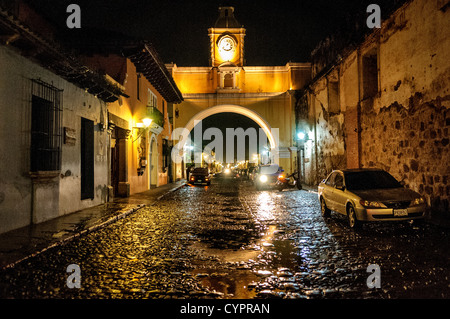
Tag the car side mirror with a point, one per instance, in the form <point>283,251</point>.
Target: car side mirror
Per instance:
<point>341,187</point>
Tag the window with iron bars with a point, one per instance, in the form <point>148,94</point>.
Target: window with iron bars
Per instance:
<point>46,130</point>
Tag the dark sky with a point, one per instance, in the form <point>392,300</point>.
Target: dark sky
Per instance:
<point>277,31</point>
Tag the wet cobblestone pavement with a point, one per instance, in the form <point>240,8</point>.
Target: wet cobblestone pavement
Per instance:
<point>230,241</point>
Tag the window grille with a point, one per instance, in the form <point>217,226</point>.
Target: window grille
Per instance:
<point>46,131</point>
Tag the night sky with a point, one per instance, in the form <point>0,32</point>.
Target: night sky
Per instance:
<point>277,31</point>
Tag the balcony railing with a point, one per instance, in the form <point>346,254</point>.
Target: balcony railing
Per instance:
<point>156,115</point>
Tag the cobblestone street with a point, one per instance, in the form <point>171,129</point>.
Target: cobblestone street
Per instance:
<point>229,240</point>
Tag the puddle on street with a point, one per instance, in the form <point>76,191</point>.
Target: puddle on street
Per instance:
<point>236,272</point>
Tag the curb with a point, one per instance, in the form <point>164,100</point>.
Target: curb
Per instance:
<point>90,229</point>
<point>76,235</point>
<point>171,191</point>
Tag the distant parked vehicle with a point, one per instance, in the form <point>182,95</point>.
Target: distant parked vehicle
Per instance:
<point>369,195</point>
<point>200,175</point>
<point>267,176</point>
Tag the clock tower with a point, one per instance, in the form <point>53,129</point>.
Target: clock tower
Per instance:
<point>264,94</point>
<point>227,40</point>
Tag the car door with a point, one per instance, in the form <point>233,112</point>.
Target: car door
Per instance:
<point>339,195</point>
<point>328,189</point>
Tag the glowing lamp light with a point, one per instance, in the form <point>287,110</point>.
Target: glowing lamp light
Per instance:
<point>301,135</point>
<point>147,122</point>
<point>263,178</point>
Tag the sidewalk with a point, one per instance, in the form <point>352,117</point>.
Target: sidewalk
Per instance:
<point>25,242</point>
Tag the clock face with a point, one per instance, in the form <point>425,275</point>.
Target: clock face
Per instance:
<point>227,47</point>
<point>226,44</point>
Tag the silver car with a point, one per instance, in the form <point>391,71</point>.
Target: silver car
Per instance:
<point>369,195</point>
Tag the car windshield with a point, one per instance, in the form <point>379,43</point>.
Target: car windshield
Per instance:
<point>269,169</point>
<point>199,170</point>
<point>370,180</point>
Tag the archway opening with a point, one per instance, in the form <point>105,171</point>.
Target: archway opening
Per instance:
<point>260,137</point>
<point>230,138</point>
<point>228,108</point>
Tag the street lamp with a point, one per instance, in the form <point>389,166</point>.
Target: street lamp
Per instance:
<point>301,136</point>
<point>141,126</point>
<point>147,122</point>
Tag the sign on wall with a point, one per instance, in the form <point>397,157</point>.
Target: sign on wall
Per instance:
<point>69,136</point>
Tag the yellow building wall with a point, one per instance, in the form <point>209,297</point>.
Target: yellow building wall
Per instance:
<point>269,80</point>
<point>196,80</point>
<point>133,109</point>
<point>249,79</point>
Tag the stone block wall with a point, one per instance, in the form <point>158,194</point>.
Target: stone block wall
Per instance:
<point>412,143</point>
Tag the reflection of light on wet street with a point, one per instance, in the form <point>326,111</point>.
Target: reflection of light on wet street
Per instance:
<point>304,253</point>
<point>231,241</point>
<point>265,207</point>
<point>267,238</point>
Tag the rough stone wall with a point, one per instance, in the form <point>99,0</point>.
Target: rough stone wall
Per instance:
<point>404,128</point>
<point>325,148</point>
<point>413,145</point>
<point>330,143</point>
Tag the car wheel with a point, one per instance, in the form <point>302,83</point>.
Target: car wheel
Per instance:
<point>353,221</point>
<point>323,208</point>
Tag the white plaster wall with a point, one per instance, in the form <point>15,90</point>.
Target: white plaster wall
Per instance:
<point>15,122</point>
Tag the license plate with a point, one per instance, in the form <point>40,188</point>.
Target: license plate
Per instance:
<point>199,180</point>
<point>400,212</point>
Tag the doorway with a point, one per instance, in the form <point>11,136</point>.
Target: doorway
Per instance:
<point>118,161</point>
<point>87,159</point>
<point>153,156</point>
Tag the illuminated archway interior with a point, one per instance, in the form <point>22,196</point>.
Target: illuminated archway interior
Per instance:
<point>228,108</point>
